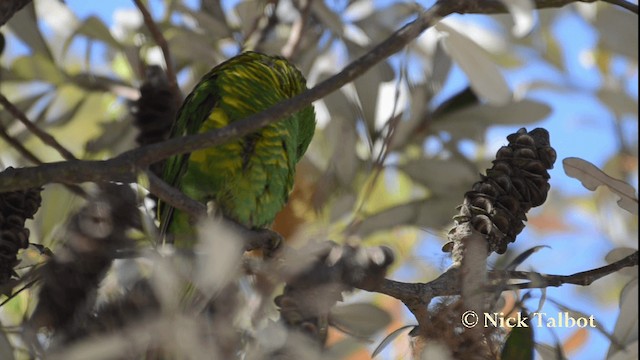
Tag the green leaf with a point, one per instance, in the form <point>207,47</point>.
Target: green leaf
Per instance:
<point>24,25</point>
<point>626,329</point>
<point>361,320</point>
<point>591,177</point>
<point>483,74</point>
<point>524,256</point>
<point>328,17</point>
<point>471,122</point>
<point>618,31</point>
<point>6,349</point>
<point>465,98</point>
<point>548,352</point>
<point>368,89</point>
<point>68,100</point>
<point>441,176</point>
<point>578,314</point>
<point>389,338</point>
<point>93,28</point>
<point>519,344</point>
<point>522,13</point>
<point>23,105</point>
<point>37,68</point>
<point>214,28</point>
<point>429,213</point>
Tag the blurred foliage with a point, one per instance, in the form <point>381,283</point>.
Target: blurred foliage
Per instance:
<point>390,160</point>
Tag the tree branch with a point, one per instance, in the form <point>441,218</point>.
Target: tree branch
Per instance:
<point>27,154</point>
<point>584,278</point>
<point>8,8</point>
<point>448,284</point>
<point>175,197</point>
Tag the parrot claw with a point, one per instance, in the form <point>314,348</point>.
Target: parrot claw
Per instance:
<point>267,240</point>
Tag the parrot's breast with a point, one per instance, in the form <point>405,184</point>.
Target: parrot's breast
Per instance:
<point>249,179</point>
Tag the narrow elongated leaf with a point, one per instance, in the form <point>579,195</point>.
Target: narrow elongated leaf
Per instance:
<point>441,176</point>
<point>25,26</point>
<point>6,350</point>
<point>472,121</point>
<point>328,17</point>
<point>406,129</point>
<point>91,82</point>
<point>93,28</point>
<point>483,74</point>
<point>548,352</point>
<point>389,339</point>
<point>426,213</point>
<point>368,88</point>
<point>618,30</point>
<point>23,104</point>
<point>248,12</point>
<point>522,13</point>
<point>591,177</point>
<point>619,101</point>
<point>361,320</point>
<point>577,314</point>
<point>380,23</point>
<point>524,256</point>
<point>215,28</point>
<point>630,354</point>
<point>626,329</point>
<point>519,344</point>
<point>38,68</point>
<point>441,67</point>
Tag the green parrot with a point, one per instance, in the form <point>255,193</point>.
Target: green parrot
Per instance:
<point>249,178</point>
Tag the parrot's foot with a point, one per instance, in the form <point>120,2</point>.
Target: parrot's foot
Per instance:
<point>266,240</point>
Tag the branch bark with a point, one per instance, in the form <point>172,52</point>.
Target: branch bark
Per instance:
<point>8,8</point>
<point>448,284</point>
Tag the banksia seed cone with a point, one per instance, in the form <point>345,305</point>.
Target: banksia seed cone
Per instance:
<point>15,208</point>
<point>309,296</point>
<point>155,111</point>
<point>93,236</point>
<point>497,205</point>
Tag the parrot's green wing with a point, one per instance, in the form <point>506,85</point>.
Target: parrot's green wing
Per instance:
<point>248,178</point>
<point>193,112</point>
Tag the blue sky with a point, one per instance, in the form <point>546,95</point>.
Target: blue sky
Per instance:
<point>579,127</point>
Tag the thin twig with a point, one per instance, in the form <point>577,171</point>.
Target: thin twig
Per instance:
<point>18,146</point>
<point>34,159</point>
<point>162,43</point>
<point>34,129</point>
<point>293,43</point>
<point>378,165</point>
